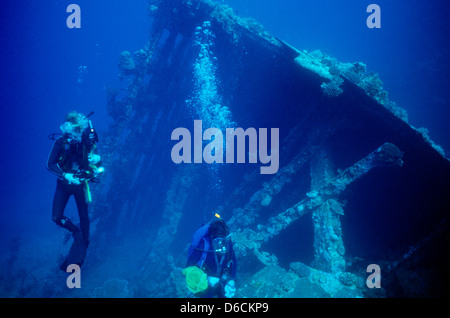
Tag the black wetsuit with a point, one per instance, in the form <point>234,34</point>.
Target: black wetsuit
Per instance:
<point>66,157</point>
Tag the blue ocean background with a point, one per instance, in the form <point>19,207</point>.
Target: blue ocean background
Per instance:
<point>49,70</point>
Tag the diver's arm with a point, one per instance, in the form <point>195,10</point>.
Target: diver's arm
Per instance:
<point>52,161</point>
<point>195,254</point>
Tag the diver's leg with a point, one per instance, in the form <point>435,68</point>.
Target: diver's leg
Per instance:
<point>82,212</point>
<point>60,199</point>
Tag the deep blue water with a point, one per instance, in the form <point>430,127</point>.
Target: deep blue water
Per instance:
<point>40,84</point>
<point>41,81</point>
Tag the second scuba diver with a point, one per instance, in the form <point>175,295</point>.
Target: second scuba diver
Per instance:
<point>211,264</point>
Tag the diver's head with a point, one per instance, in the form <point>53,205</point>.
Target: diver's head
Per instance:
<point>220,235</point>
<point>74,126</point>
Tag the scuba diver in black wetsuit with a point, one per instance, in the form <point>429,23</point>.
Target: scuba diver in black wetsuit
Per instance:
<point>211,266</point>
<point>73,159</point>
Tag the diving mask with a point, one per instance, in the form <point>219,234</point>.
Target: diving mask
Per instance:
<point>72,130</point>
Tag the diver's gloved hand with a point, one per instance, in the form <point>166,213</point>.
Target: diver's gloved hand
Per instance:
<point>71,179</point>
<point>230,289</point>
<point>212,280</point>
<point>94,159</point>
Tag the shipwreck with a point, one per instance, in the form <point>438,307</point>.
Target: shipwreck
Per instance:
<point>357,184</point>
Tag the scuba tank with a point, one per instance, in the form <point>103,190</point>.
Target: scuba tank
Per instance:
<point>92,139</point>
<point>89,140</point>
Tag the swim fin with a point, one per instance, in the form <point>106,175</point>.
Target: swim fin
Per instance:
<point>77,252</point>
